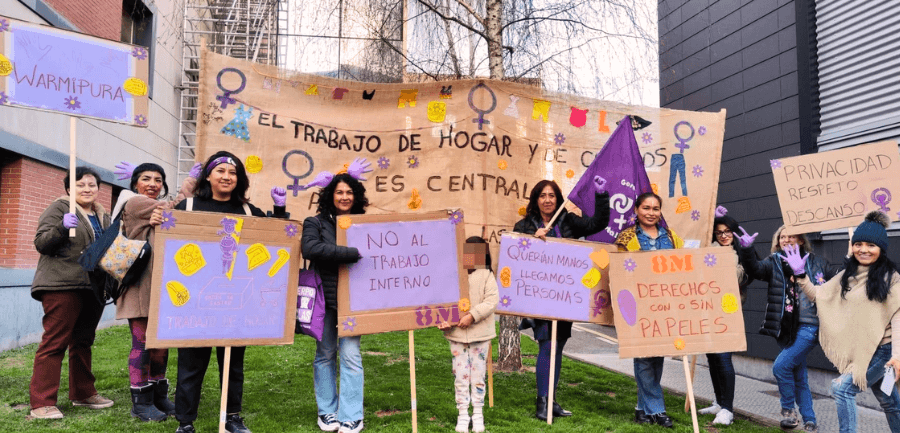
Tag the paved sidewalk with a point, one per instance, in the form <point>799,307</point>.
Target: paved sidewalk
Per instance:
<point>753,398</point>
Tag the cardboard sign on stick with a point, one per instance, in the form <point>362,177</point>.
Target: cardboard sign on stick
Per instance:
<point>836,189</point>
<point>556,279</point>
<point>677,302</point>
<point>410,275</point>
<point>223,280</point>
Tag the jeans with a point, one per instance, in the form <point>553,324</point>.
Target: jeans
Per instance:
<point>845,391</point>
<point>676,167</point>
<point>542,369</point>
<point>790,372</point>
<point>721,371</point>
<point>192,365</point>
<point>648,374</point>
<point>349,404</point>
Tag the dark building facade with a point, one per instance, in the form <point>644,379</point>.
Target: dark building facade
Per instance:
<point>795,77</point>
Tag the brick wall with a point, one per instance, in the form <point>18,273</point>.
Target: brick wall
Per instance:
<point>101,18</point>
<point>27,187</point>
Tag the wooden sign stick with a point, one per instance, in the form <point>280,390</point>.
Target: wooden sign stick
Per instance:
<point>72,163</point>
<point>690,393</point>
<point>687,403</point>
<point>552,370</point>
<point>223,406</point>
<point>558,211</point>
<point>412,382</point>
<point>490,372</point>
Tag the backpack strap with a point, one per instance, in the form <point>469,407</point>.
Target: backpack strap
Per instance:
<point>247,210</point>
<point>189,205</point>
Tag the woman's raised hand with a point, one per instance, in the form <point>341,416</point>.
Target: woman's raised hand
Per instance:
<point>745,239</point>
<point>792,258</point>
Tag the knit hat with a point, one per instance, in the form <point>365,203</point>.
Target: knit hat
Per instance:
<point>873,230</point>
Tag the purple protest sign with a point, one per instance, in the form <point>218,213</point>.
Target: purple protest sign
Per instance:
<point>51,69</point>
<point>404,264</point>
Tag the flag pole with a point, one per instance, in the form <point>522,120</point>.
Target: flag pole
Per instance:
<point>558,211</point>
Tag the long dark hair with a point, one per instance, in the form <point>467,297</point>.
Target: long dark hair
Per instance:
<point>326,195</point>
<point>149,166</point>
<point>878,280</point>
<point>732,225</point>
<point>533,209</point>
<point>203,189</point>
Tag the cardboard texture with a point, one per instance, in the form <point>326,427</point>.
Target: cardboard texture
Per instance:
<point>410,275</point>
<point>836,189</point>
<point>677,302</point>
<point>50,69</point>
<point>556,279</point>
<point>478,145</point>
<point>223,280</point>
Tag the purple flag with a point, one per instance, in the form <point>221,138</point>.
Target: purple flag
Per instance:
<point>621,164</point>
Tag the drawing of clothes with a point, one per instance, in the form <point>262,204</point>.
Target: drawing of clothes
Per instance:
<point>676,167</point>
<point>237,127</point>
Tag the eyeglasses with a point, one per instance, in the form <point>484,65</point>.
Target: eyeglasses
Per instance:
<point>726,233</point>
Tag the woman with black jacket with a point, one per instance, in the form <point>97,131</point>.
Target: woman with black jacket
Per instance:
<point>545,200</point>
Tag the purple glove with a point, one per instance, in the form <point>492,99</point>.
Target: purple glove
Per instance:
<point>599,184</point>
<point>745,239</point>
<point>279,196</point>
<point>792,258</point>
<point>125,170</point>
<point>70,221</point>
<point>721,211</point>
<point>358,168</point>
<point>196,170</point>
<point>322,180</point>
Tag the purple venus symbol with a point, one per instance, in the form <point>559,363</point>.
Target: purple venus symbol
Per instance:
<point>882,197</point>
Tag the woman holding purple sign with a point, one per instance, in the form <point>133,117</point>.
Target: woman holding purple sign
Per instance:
<point>341,194</point>
<point>542,206</point>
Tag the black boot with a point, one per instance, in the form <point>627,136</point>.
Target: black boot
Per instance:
<point>641,417</point>
<point>142,406</point>
<point>541,408</point>
<point>558,411</point>
<point>161,397</point>
<point>663,420</point>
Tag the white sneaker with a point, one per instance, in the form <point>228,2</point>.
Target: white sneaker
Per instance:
<point>712,410</point>
<point>462,421</point>
<point>351,426</point>
<point>724,417</point>
<point>477,421</point>
<point>328,422</point>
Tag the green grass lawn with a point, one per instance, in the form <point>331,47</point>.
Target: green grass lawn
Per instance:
<point>278,392</point>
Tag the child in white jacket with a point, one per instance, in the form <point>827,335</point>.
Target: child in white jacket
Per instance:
<point>470,339</point>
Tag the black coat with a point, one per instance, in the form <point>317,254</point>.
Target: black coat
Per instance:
<point>319,246</point>
<point>778,276</point>
<point>571,226</point>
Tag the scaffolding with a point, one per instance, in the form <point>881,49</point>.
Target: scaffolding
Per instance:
<point>243,29</point>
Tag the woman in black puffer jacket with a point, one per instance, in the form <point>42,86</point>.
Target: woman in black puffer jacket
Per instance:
<point>545,200</point>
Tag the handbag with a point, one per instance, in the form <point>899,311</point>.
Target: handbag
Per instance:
<point>122,258</point>
<point>310,305</point>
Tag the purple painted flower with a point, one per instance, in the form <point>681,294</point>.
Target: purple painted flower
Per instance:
<point>4,25</point>
<point>559,139</point>
<point>168,221</point>
<point>384,163</point>
<point>647,138</point>
<point>698,171</point>
<point>505,302</point>
<point>349,324</point>
<point>140,119</point>
<point>412,161</point>
<point>710,260</point>
<point>456,217</point>
<point>4,99</point>
<point>524,243</point>
<point>630,265</point>
<point>632,219</point>
<point>695,215</point>
<point>72,102</point>
<point>290,230</point>
<point>820,279</point>
<point>701,130</point>
<point>139,52</point>
<point>789,308</point>
<point>775,163</point>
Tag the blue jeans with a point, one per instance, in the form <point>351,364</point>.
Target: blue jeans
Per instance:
<point>721,371</point>
<point>845,391</point>
<point>349,405</point>
<point>790,372</point>
<point>677,167</point>
<point>648,374</point>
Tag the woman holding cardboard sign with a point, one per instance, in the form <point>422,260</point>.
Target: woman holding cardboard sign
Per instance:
<point>543,204</point>
<point>221,187</point>
<point>341,194</point>
<point>648,235</point>
<point>859,309</point>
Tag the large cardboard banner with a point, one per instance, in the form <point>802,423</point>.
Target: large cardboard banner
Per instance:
<point>556,279</point>
<point>410,275</point>
<point>479,145</point>
<point>835,189</point>
<point>46,68</point>
<point>677,302</point>
<point>223,280</point>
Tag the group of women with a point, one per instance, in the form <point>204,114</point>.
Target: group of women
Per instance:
<point>809,302</point>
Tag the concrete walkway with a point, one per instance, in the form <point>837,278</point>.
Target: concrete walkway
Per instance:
<point>754,399</point>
